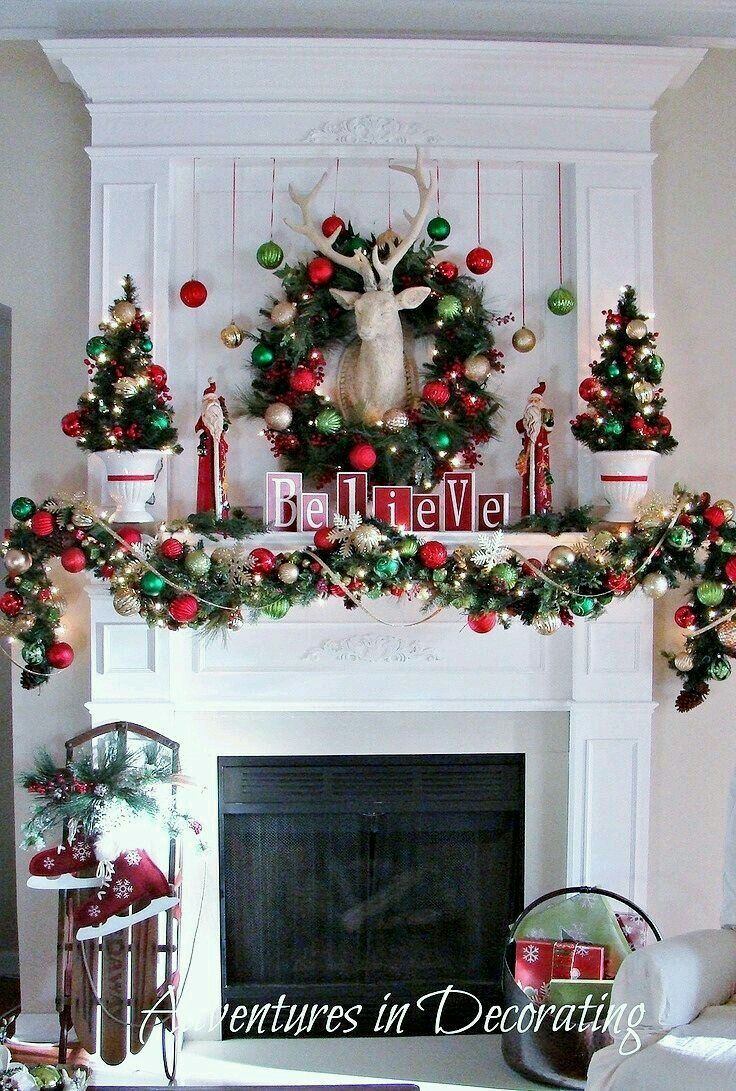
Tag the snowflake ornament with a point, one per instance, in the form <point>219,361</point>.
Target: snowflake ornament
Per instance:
<point>122,889</point>
<point>491,551</point>
<point>342,531</point>
<point>238,569</point>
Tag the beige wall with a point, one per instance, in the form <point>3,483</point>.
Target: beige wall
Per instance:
<point>43,278</point>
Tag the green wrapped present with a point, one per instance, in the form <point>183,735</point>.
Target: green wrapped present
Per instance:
<point>583,918</point>
<point>563,991</point>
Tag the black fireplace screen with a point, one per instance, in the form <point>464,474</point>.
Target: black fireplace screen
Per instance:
<point>344,879</point>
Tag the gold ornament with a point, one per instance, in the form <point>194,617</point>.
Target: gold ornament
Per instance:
<point>653,511</point>
<point>366,538</point>
<point>221,555</point>
<point>395,420</point>
<point>643,392</point>
<point>124,312</point>
<point>18,561</point>
<point>24,623</point>
<point>655,585</point>
<point>126,388</point>
<point>636,329</point>
<point>601,541</point>
<point>477,368</point>
<point>232,336</point>
<point>684,662</point>
<point>727,634</point>
<point>284,313</point>
<point>561,557</point>
<point>278,417</point>
<point>126,603</point>
<point>727,508</point>
<point>547,623</point>
<point>388,241</point>
<point>288,572</point>
<point>523,340</point>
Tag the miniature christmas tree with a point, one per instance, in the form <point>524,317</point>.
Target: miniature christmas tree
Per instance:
<point>624,399</point>
<point>126,407</point>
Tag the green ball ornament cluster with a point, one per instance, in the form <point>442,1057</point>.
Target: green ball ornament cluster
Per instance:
<point>197,563</point>
<point>449,307</point>
<point>328,422</point>
<point>96,346</point>
<point>22,508</point>
<point>269,255</point>
<point>438,228</point>
<point>262,355</point>
<point>561,301</point>
<point>152,584</point>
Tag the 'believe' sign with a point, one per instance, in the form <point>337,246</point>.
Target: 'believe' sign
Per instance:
<point>457,507</point>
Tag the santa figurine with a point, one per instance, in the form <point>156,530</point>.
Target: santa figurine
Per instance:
<point>213,422</point>
<point>533,461</point>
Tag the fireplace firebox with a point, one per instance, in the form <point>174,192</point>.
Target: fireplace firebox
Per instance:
<point>344,879</point>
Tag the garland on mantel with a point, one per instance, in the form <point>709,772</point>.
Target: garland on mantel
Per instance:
<point>171,581</point>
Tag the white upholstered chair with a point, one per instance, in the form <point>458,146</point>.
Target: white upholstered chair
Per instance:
<point>688,1031</point>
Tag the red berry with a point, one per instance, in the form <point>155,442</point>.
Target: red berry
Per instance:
<point>43,523</point>
<point>262,560</point>
<point>193,293</point>
<point>436,393</point>
<point>446,269</point>
<point>685,616</point>
<point>171,548</point>
<point>60,655</point>
<point>183,609</point>
<point>589,389</point>
<point>715,517</point>
<point>363,457</point>
<point>315,359</point>
<point>302,380</point>
<point>73,559</point>
<point>482,623</point>
<point>322,540</point>
<point>332,224</point>
<point>433,554</point>
<point>479,260</point>
<point>320,271</point>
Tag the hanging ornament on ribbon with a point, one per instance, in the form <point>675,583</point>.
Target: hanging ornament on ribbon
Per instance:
<point>193,292</point>
<point>334,224</point>
<point>269,255</point>
<point>438,227</point>
<point>560,301</point>
<point>523,340</point>
<point>232,335</point>
<point>479,260</point>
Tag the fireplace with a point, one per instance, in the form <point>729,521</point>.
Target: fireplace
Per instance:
<point>347,878</point>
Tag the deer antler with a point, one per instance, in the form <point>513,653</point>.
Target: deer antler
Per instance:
<point>358,262</point>
<point>385,269</point>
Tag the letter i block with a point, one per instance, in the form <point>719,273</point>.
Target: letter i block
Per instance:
<point>282,507</point>
<point>392,504</point>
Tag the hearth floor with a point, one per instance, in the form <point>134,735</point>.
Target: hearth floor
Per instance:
<point>436,1064</point>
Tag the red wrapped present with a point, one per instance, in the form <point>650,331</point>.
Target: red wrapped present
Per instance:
<point>634,929</point>
<point>539,960</point>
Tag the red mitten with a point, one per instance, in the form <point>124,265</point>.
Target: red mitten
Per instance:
<point>134,878</point>
<point>58,868</point>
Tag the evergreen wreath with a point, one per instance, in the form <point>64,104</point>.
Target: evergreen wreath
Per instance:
<point>455,414</point>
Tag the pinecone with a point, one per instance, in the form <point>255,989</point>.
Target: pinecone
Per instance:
<point>691,698</point>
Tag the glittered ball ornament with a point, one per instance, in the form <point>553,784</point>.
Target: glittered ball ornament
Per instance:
<point>396,420</point>
<point>448,308</point>
<point>126,603</point>
<point>386,567</point>
<point>71,424</point>
<point>363,457</point>
<point>684,662</point>
<point>438,228</point>
<point>277,609</point>
<point>561,557</point>
<point>483,622</point>
<point>302,380</point>
<point>130,535</point>
<point>17,561</point>
<point>22,508</point>
<point>283,313</point>
<point>323,539</point>
<point>719,670</point>
<point>183,609</point>
<point>222,555</point>
<point>679,537</point>
<point>124,312</point>
<point>288,572</point>
<point>73,559</point>
<point>261,560</point>
<point>328,422</point>
<point>477,368</point>
<point>446,270</point>
<point>636,329</point>
<point>157,376</point>
<point>278,416</point>
<point>197,563</point>
<point>546,623</point>
<point>643,391</point>
<point>11,603</point>
<point>171,548</point>
<point>332,224</point>
<point>523,340</point>
<point>710,593</point>
<point>561,301</point>
<point>262,355</point>
<point>152,584</point>
<point>232,336</point>
<point>366,538</point>
<point>685,616</point>
<point>43,524</point>
<point>504,575</point>
<point>436,393</point>
<point>479,261</point>
<point>655,585</point>
<point>320,271</point>
<point>727,634</point>
<point>726,506</point>
<point>589,389</point>
<point>432,554</point>
<point>60,655</point>
<point>193,293</point>
<point>96,346</point>
<point>269,255</point>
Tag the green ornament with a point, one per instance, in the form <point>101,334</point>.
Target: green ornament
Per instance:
<point>95,346</point>
<point>386,567</point>
<point>505,574</point>
<point>269,255</point>
<point>28,586</point>
<point>561,301</point>
<point>197,563</point>
<point>719,669</point>
<point>680,537</point>
<point>146,344</point>
<point>277,609</point>
<point>54,615</point>
<point>408,547</point>
<point>442,440</point>
<point>582,607</point>
<point>262,355</point>
<point>449,307</point>
<point>328,422</point>
<point>159,421</point>
<point>33,654</point>
<point>710,593</point>
<point>439,575</point>
<point>654,366</point>
<point>728,547</point>
<point>613,427</point>
<point>356,243</point>
<point>438,228</point>
<point>152,584</point>
<point>613,370</point>
<point>605,600</point>
<point>22,507</point>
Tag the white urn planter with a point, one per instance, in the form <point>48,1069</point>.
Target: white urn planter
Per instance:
<point>626,477</point>
<point>130,483</point>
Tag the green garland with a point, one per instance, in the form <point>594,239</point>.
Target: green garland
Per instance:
<point>687,538</point>
<point>318,441</point>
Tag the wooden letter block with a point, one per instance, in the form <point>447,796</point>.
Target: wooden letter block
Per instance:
<point>425,512</point>
<point>392,504</point>
<point>282,508</point>
<point>493,510</point>
<point>315,510</point>
<point>459,500</point>
<point>352,493</point>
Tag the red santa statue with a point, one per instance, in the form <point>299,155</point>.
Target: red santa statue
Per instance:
<point>533,462</point>
<point>213,422</point>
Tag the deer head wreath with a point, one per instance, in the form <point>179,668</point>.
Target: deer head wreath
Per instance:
<point>374,375</point>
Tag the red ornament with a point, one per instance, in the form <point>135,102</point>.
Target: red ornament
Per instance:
<point>685,616</point>
<point>714,517</point>
<point>106,571</point>
<point>320,271</point>
<point>11,603</point>
<point>315,359</point>
<point>433,554</point>
<point>322,540</point>
<point>73,559</point>
<point>157,375</point>
<point>130,535</point>
<point>183,609</point>
<point>479,260</point>
<point>43,523</point>
<point>71,424</point>
<point>363,456</point>
<point>302,380</point>
<point>45,594</point>
<point>171,548</point>
<point>730,569</point>
<point>665,426</point>
<point>60,655</point>
<point>262,560</point>
<point>618,582</point>
<point>193,293</point>
<point>638,423</point>
<point>436,393</point>
<point>332,224</point>
<point>589,389</point>
<point>446,269</point>
<point>482,623</point>
<point>532,566</point>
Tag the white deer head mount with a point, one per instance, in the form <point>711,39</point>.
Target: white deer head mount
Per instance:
<point>376,376</point>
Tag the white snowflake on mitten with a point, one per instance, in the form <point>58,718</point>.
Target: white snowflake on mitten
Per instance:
<point>94,911</point>
<point>530,953</point>
<point>122,889</point>
<point>133,858</point>
<point>48,863</point>
<point>81,851</point>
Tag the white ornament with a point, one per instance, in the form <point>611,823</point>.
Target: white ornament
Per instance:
<point>491,550</point>
<point>477,368</point>
<point>288,573</point>
<point>366,538</point>
<point>343,529</point>
<point>278,416</point>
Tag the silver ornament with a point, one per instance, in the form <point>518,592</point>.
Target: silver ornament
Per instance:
<point>684,662</point>
<point>395,420</point>
<point>126,388</point>
<point>283,314</point>
<point>547,623</point>
<point>366,538</point>
<point>18,561</point>
<point>126,603</point>
<point>124,312</point>
<point>278,417</point>
<point>477,368</point>
<point>636,329</point>
<point>655,585</point>
<point>235,623</point>
<point>560,557</point>
<point>643,392</point>
<point>288,572</point>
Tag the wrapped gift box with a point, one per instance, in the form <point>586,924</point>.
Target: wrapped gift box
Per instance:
<point>561,992</point>
<point>538,961</point>
<point>582,918</point>
<point>634,928</point>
